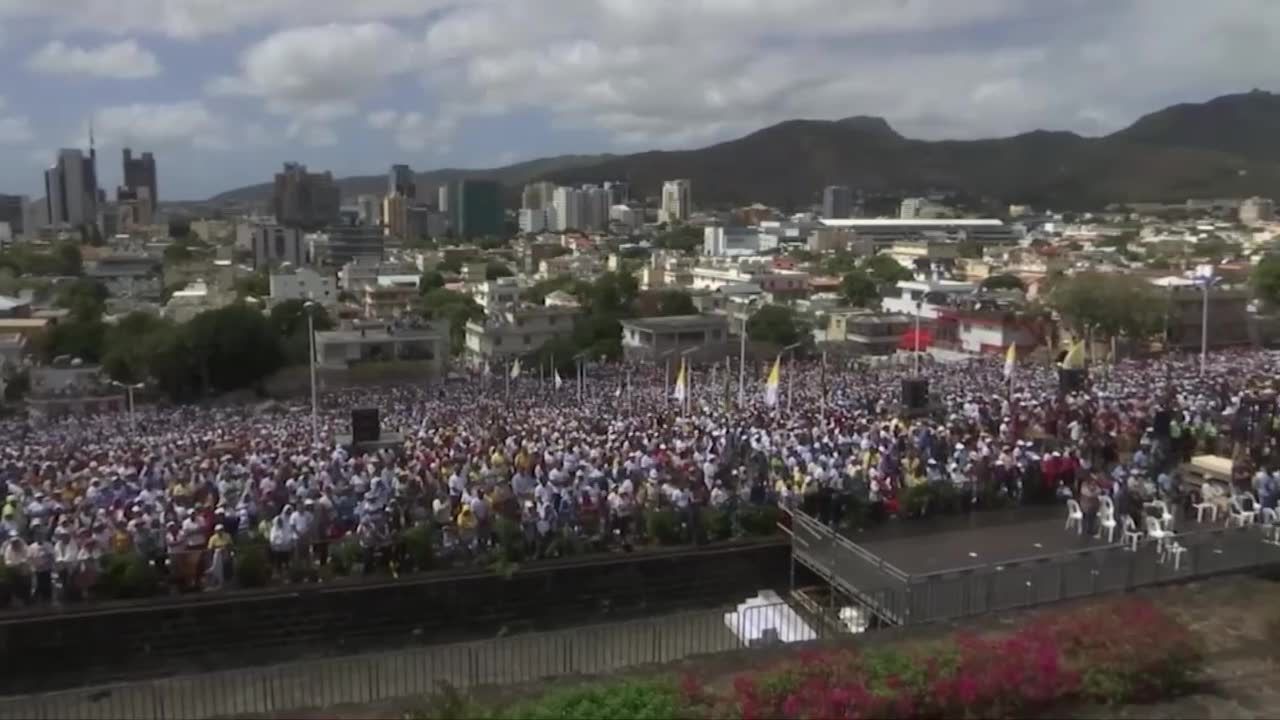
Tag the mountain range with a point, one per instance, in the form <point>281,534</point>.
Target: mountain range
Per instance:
<point>1226,147</point>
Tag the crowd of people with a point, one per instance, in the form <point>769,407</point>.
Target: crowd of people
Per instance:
<point>483,463</point>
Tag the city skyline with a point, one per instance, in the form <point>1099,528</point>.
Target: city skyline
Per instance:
<point>224,95</point>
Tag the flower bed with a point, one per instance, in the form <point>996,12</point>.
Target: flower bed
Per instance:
<point>1114,652</point>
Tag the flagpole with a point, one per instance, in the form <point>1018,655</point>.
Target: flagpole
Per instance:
<point>510,366</point>
<point>823,412</point>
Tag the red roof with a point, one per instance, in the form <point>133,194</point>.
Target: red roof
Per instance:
<point>908,341</point>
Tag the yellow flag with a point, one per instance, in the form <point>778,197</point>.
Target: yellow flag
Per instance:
<point>1010,360</point>
<point>771,385</point>
<point>1075,357</point>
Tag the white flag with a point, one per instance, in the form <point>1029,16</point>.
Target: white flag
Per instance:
<point>555,379</point>
<point>772,383</point>
<point>680,391</point>
<point>515,368</point>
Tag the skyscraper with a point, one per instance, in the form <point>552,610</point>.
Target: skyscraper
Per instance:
<point>479,211</point>
<point>395,215</point>
<point>837,202</point>
<point>619,192</point>
<point>71,189</point>
<point>400,181</point>
<point>139,173</point>
<point>370,207</point>
<point>677,201</point>
<point>595,208</point>
<point>567,209</point>
<point>305,200</point>
<point>13,211</point>
<point>537,196</point>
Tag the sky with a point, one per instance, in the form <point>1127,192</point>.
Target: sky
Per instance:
<point>224,91</point>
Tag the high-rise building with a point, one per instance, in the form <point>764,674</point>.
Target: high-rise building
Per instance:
<point>71,189</point>
<point>140,173</point>
<point>1257,210</point>
<point>677,201</point>
<point>370,209</point>
<point>479,211</point>
<point>400,181</point>
<point>911,208</point>
<point>624,216</point>
<point>837,202</point>
<point>532,221</point>
<point>537,196</point>
<point>566,203</point>
<point>305,200</point>
<point>13,211</point>
<point>273,245</point>
<point>619,192</point>
<point>395,215</point>
<point>595,208</point>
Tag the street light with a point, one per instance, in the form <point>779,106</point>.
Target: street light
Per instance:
<point>1204,275</point>
<point>790,371</point>
<point>580,359</point>
<point>688,377</point>
<point>666,373</point>
<point>129,388</point>
<point>309,307</point>
<point>915,356</point>
<point>742,354</point>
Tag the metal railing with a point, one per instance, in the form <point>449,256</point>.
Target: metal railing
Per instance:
<point>420,671</point>
<point>960,592</point>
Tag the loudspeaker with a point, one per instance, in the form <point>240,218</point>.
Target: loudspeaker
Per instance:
<point>1070,381</point>
<point>1162,422</point>
<point>365,426</point>
<point>915,393</point>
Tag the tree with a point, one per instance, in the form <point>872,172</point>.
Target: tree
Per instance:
<point>257,285</point>
<point>454,307</point>
<point>495,269</point>
<point>431,280</point>
<point>1109,305</point>
<point>79,337</point>
<point>290,318</point>
<point>859,289</point>
<point>1003,282</point>
<point>884,269</point>
<point>681,238</point>
<point>130,347</point>
<point>85,298</point>
<point>68,259</point>
<point>1266,281</point>
<point>840,262</point>
<point>775,324</point>
<point>232,347</point>
<point>675,302</point>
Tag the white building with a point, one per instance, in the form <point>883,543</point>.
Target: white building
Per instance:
<point>677,201</point>
<point>498,293</point>
<point>624,216</point>
<point>516,331</point>
<point>783,282</point>
<point>925,298</point>
<point>534,220</point>
<point>595,208</point>
<point>370,208</point>
<point>303,283</point>
<point>567,204</point>
<point>195,298</point>
<point>1257,210</point>
<point>882,232</point>
<point>721,241</point>
<point>911,207</point>
<point>273,244</point>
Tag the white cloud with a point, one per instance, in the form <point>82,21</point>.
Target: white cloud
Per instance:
<point>193,19</point>
<point>124,60</point>
<point>162,124</point>
<point>14,129</point>
<point>414,130</point>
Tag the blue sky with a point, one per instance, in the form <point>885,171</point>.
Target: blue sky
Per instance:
<point>223,91</point>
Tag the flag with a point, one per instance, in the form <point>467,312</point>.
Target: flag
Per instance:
<point>680,392</point>
<point>515,368</point>
<point>555,378</point>
<point>771,385</point>
<point>1075,357</point>
<point>1010,360</point>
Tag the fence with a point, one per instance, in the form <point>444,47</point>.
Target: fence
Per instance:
<point>961,592</point>
<point>589,650</point>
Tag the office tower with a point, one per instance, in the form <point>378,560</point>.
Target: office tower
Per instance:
<point>537,196</point>
<point>13,211</point>
<point>395,214</point>
<point>443,197</point>
<point>911,207</point>
<point>479,211</point>
<point>370,208</point>
<point>595,208</point>
<point>400,181</point>
<point>566,203</point>
<point>619,192</point>
<point>140,175</point>
<point>677,201</point>
<point>837,202</point>
<point>305,200</point>
<point>71,189</point>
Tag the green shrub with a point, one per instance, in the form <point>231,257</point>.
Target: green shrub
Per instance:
<point>418,547</point>
<point>127,576</point>
<point>510,539</point>
<point>717,524</point>
<point>252,566</point>
<point>344,555</point>
<point>916,500</point>
<point>760,520</point>
<point>663,527</point>
<point>651,700</point>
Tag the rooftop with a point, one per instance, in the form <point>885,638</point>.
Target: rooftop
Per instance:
<point>11,303</point>
<point>675,322</point>
<point>911,222</point>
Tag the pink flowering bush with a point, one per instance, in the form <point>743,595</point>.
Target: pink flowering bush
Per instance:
<point>1116,652</point>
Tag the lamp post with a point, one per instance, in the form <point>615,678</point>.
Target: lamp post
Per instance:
<point>790,372</point>
<point>1204,275</point>
<point>915,356</point>
<point>129,388</point>
<point>742,355</point>
<point>688,377</point>
<point>666,373</point>
<point>309,307</point>
<point>580,360</point>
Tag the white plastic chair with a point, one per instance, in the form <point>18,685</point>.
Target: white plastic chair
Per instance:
<point>1173,549</point>
<point>1270,526</point>
<point>1107,521</point>
<point>1075,516</point>
<point>1202,505</point>
<point>1166,516</point>
<point>1238,514</point>
<point>1157,533</point>
<point>1131,535</point>
<point>1107,507</point>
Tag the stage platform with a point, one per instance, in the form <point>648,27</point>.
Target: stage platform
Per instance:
<point>912,571</point>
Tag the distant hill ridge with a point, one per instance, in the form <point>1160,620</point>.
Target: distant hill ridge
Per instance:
<point>1228,146</point>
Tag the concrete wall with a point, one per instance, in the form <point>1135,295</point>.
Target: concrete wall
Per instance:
<point>45,650</point>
